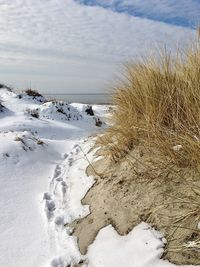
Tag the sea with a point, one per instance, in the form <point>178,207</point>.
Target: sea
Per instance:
<point>81,98</point>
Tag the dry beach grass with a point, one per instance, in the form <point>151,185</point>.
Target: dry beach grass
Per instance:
<point>150,169</point>
<point>158,103</point>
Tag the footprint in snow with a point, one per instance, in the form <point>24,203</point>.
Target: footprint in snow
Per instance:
<point>65,156</point>
<point>57,171</point>
<point>49,205</point>
<point>46,196</point>
<point>59,220</point>
<point>64,187</point>
<point>59,179</point>
<point>57,262</point>
<point>70,161</point>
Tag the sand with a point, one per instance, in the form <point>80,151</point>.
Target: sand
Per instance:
<point>145,186</point>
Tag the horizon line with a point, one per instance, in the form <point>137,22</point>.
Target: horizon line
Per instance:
<point>75,93</point>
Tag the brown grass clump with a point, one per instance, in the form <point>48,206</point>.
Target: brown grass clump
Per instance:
<point>150,170</point>
<point>158,104</point>
<point>2,86</point>
<point>33,93</point>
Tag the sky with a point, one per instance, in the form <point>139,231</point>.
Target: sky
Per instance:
<point>78,46</point>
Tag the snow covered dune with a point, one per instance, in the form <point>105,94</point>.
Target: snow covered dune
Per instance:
<point>44,151</point>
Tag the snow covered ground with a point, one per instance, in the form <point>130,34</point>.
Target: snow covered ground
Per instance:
<point>43,148</point>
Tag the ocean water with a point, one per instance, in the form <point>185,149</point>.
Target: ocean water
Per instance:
<point>81,98</point>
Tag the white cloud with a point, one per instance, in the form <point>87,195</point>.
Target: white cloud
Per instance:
<point>53,42</point>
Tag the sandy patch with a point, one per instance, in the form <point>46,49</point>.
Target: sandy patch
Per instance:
<point>145,188</point>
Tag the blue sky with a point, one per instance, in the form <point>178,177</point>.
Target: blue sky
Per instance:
<point>79,45</point>
<point>176,12</point>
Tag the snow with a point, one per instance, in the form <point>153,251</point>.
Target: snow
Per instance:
<point>142,247</point>
<point>177,147</point>
<point>30,150</point>
<point>62,202</point>
<point>42,181</point>
<point>27,96</point>
<point>58,110</point>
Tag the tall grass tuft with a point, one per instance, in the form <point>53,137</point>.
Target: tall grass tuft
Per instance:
<point>158,104</point>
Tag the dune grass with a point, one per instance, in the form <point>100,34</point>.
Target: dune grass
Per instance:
<point>154,138</point>
<point>33,93</point>
<point>158,104</point>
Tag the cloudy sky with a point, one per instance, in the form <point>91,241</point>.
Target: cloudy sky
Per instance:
<point>78,45</point>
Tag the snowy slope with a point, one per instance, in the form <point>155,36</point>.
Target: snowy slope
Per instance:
<point>43,148</point>
<point>30,150</point>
